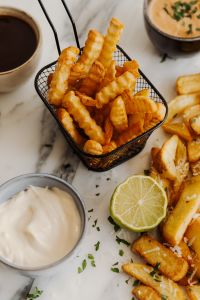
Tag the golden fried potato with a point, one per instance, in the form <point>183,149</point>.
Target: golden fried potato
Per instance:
<point>181,216</point>
<point>178,128</point>
<point>128,135</point>
<point>195,124</point>
<point>93,147</point>
<point>133,67</point>
<point>167,158</point>
<point>144,93</point>
<point>59,81</point>
<point>180,103</point>
<point>118,114</point>
<point>149,125</point>
<point>115,88</point>
<point>195,168</point>
<point>190,112</point>
<point>160,112</point>
<point>153,252</point>
<point>90,84</point>
<point>68,124</point>
<point>193,148</point>
<point>185,251</point>
<point>86,100</point>
<point>141,104</point>
<point>143,292</point>
<point>136,119</point>
<point>82,117</point>
<point>193,292</point>
<point>110,41</point>
<point>193,235</point>
<point>148,276</point>
<point>188,84</point>
<point>109,147</point>
<point>91,51</point>
<point>110,75</point>
<point>108,129</point>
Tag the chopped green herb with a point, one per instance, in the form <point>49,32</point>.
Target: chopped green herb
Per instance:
<point>165,56</point>
<point>127,281</point>
<point>198,17</point>
<point>90,256</point>
<point>93,263</point>
<point>80,270</point>
<point>133,298</point>
<point>166,10</point>
<point>108,178</point>
<point>116,227</point>
<point>146,172</point>
<point>115,270</point>
<point>136,282</point>
<point>155,274</point>
<point>95,223</point>
<point>91,210</point>
<point>163,297</point>
<point>84,264</point>
<point>98,229</point>
<point>35,294</point>
<point>115,264</point>
<point>119,241</point>
<point>121,252</point>
<point>198,29</point>
<point>97,246</point>
<point>189,29</point>
<point>97,185</point>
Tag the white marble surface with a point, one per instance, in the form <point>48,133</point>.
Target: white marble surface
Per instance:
<point>30,142</point>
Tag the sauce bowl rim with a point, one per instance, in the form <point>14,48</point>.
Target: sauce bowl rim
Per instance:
<point>37,31</point>
<point>172,37</point>
<point>81,209</point>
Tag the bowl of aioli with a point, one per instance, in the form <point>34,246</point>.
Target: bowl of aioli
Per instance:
<point>173,26</point>
<point>42,223</point>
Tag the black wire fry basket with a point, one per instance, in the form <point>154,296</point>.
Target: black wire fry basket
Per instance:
<point>121,154</point>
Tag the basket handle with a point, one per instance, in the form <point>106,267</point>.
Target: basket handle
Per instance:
<point>53,28</point>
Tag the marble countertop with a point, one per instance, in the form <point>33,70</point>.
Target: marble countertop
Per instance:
<point>31,142</point>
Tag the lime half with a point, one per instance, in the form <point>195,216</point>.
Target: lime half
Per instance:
<point>138,204</point>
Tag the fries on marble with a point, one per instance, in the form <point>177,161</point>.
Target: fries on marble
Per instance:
<point>93,147</point>
<point>188,84</point>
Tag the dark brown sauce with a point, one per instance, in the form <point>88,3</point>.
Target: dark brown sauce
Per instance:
<point>17,42</point>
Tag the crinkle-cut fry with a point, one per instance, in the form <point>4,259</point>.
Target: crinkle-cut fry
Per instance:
<point>90,84</point>
<point>178,128</point>
<point>110,75</point>
<point>108,129</point>
<point>144,93</point>
<point>163,285</point>
<point>82,117</point>
<point>143,292</point>
<point>118,115</point>
<point>128,135</point>
<point>188,84</point>
<point>127,96</point>
<point>133,67</point>
<point>142,104</point>
<point>195,124</point>
<point>93,147</point>
<point>110,41</point>
<point>115,88</point>
<point>119,71</point>
<point>136,119</point>
<point>195,168</point>
<point>150,124</point>
<point>177,222</point>
<point>59,81</point>
<point>86,100</point>
<point>68,123</point>
<point>152,251</point>
<point>109,147</point>
<point>193,292</point>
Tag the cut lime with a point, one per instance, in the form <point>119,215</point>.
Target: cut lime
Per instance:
<point>138,204</point>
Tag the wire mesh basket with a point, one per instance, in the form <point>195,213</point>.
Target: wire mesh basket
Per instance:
<point>121,154</point>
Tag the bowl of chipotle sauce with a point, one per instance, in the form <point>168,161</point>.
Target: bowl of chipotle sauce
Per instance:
<point>20,48</point>
<point>173,26</point>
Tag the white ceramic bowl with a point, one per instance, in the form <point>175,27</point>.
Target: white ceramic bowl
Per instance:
<point>20,183</point>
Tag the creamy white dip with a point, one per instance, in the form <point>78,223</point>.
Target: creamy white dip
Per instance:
<point>38,226</point>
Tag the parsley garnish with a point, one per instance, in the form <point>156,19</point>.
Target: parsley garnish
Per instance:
<point>97,246</point>
<point>198,17</point>
<point>116,227</point>
<point>163,297</point>
<point>91,210</point>
<point>35,294</point>
<point>83,266</point>
<point>115,270</point>
<point>165,56</point>
<point>115,264</point>
<point>121,252</point>
<point>95,223</point>
<point>127,281</point>
<point>182,9</point>
<point>189,29</point>
<point>91,258</point>
<point>98,228</point>
<point>136,282</point>
<point>198,29</point>
<point>154,273</point>
<point>119,241</point>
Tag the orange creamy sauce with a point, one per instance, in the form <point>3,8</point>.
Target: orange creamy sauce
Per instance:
<point>177,18</point>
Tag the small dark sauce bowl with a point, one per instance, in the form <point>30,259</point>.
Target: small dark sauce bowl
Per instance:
<point>167,44</point>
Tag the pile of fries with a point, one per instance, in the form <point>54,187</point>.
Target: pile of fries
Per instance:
<point>95,98</point>
<point>173,270</point>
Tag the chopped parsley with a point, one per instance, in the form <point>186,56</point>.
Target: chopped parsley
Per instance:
<point>97,186</point>
<point>98,228</point>
<point>35,294</point>
<point>198,29</point>
<point>163,297</point>
<point>116,227</point>
<point>121,252</point>
<point>115,270</point>
<point>91,258</point>
<point>91,210</point>
<point>83,266</point>
<point>164,57</point>
<point>95,223</point>
<point>127,281</point>
<point>190,30</point>
<point>198,17</point>
<point>136,282</point>
<point>119,241</point>
<point>96,246</point>
<point>115,264</point>
<point>154,273</point>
